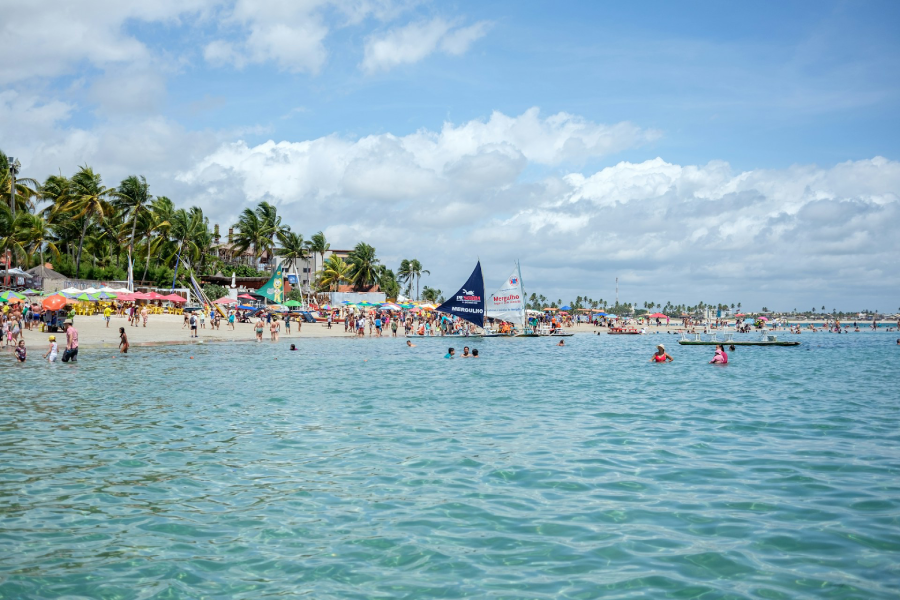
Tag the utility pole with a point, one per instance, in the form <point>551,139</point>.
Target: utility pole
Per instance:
<point>14,166</point>
<point>617,291</point>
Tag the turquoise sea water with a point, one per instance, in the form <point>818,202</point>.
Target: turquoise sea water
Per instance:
<point>365,469</point>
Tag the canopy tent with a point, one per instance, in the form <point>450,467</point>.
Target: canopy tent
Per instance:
<point>657,316</point>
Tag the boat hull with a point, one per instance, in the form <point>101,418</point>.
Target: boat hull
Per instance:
<point>736,343</point>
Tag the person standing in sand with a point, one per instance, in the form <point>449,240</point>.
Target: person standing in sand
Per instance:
<point>144,315</point>
<point>193,324</point>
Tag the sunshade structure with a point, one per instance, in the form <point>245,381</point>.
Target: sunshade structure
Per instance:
<point>390,306</point>
<point>101,295</point>
<point>246,297</point>
<point>31,292</point>
<point>85,297</point>
<point>657,316</point>
<point>55,302</point>
<point>427,306</point>
<point>225,300</point>
<point>174,298</point>
<point>125,297</point>
<point>566,307</point>
<point>14,296</point>
<point>293,303</point>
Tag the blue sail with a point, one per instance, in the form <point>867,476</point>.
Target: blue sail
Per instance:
<point>468,302</point>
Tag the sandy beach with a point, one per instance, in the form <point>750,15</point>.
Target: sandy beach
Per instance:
<point>170,329</point>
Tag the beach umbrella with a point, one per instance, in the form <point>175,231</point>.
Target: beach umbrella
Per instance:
<point>11,296</point>
<point>174,298</point>
<point>31,292</point>
<point>246,297</point>
<point>427,306</point>
<point>55,302</point>
<point>764,318</point>
<point>293,303</point>
<point>106,296</point>
<point>83,297</point>
<point>390,306</point>
<point>124,297</point>
<point>657,316</point>
<point>225,300</point>
<point>566,307</point>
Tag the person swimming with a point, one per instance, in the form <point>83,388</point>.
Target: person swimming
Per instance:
<point>720,358</point>
<point>450,353</point>
<point>475,353</point>
<point>293,347</point>
<point>561,343</point>
<point>410,344</point>
<point>661,355</point>
<point>465,353</point>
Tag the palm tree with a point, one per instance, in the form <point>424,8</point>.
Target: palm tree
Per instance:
<point>27,189</point>
<point>405,276</point>
<point>293,248</point>
<point>416,271</point>
<point>89,199</point>
<point>365,266</point>
<point>257,230</point>
<point>318,245</point>
<point>430,294</point>
<point>335,272</point>
<point>38,232</point>
<point>134,198</point>
<point>155,225</point>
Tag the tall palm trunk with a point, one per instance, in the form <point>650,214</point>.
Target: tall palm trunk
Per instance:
<point>80,245</point>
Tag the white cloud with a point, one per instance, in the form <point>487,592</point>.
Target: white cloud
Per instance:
<point>46,38</point>
<point>415,41</point>
<point>669,232</point>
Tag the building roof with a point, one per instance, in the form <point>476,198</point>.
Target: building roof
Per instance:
<point>45,272</point>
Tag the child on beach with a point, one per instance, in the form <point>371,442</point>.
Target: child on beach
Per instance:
<point>21,352</point>
<point>53,350</point>
<point>123,341</point>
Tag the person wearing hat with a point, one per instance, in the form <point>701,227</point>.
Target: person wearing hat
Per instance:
<point>661,355</point>
<point>51,353</point>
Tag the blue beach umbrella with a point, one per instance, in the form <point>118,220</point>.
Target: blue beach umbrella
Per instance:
<point>566,307</point>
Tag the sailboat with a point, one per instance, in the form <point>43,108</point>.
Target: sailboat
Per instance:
<point>507,304</point>
<point>468,302</point>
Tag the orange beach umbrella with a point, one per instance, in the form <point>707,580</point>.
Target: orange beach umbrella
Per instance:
<point>54,302</point>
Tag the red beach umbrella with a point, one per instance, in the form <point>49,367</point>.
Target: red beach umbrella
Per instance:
<point>174,298</point>
<point>246,297</point>
<point>657,316</point>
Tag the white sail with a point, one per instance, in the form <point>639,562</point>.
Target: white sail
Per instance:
<point>508,303</point>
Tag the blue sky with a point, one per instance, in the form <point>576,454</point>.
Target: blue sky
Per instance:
<point>710,138</point>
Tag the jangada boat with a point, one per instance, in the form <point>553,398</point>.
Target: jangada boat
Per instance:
<point>624,331</point>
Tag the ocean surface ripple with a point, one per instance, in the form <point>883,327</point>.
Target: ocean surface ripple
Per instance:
<point>366,469</point>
